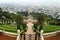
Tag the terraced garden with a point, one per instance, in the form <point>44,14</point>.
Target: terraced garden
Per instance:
<point>13,28</point>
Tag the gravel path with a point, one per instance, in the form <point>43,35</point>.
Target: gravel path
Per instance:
<point>4,37</point>
<point>56,37</point>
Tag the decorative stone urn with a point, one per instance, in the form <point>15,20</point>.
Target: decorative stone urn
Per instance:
<point>30,23</point>
<point>41,35</point>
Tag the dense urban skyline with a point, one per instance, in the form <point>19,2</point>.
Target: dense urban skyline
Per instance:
<point>33,2</point>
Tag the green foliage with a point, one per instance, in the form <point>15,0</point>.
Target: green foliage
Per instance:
<point>23,28</point>
<point>19,19</point>
<point>39,25</point>
<point>41,19</point>
<point>36,28</point>
<point>23,13</point>
<point>5,16</point>
<point>20,25</point>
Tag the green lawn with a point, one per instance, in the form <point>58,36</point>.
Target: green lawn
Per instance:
<point>13,28</point>
<point>9,28</point>
<point>51,28</point>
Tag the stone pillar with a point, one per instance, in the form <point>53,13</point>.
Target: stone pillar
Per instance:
<point>41,35</point>
<point>27,36</point>
<point>33,36</point>
<point>18,36</point>
<point>22,36</point>
<point>37,36</point>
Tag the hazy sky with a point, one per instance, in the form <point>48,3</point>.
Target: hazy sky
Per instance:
<point>32,2</point>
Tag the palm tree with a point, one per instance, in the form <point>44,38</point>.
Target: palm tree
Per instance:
<point>39,25</point>
<point>20,25</point>
<point>41,19</point>
<point>19,20</point>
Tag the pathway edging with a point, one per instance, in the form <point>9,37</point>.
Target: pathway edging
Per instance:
<point>15,34</point>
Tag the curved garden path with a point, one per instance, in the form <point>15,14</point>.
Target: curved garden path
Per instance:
<point>56,37</point>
